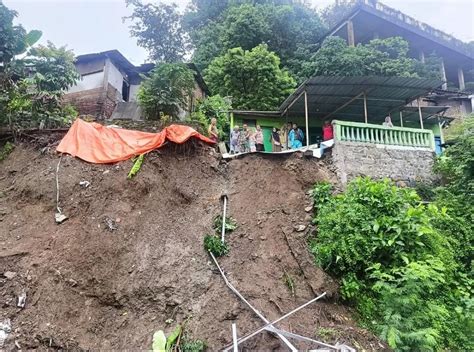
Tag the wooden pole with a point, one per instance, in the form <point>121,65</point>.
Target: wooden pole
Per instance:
<point>365,108</point>
<point>350,33</point>
<point>401,119</point>
<point>306,117</point>
<point>419,113</point>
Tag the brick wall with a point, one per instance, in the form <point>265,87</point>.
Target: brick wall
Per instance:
<point>96,102</point>
<point>397,163</point>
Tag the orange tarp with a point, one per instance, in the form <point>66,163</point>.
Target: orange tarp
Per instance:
<point>99,144</point>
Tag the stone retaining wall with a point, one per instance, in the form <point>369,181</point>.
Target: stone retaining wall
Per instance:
<point>405,164</point>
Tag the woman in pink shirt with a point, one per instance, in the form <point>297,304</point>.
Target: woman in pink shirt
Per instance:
<point>259,140</point>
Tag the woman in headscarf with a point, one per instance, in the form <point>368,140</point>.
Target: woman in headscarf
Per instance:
<point>275,138</point>
<point>388,122</point>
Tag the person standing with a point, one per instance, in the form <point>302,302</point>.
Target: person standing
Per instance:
<point>212,130</point>
<point>259,146</point>
<point>328,132</point>
<point>234,140</point>
<point>251,140</point>
<point>295,137</point>
<point>284,135</point>
<point>275,139</point>
<point>388,122</point>
<point>244,139</point>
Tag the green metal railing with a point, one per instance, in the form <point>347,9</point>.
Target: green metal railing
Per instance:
<point>378,134</point>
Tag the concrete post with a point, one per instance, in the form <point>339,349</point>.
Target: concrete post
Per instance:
<point>462,85</point>
<point>443,76</point>
<point>350,33</point>
<point>422,56</point>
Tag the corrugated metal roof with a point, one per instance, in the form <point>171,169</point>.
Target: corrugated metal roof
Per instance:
<point>326,95</point>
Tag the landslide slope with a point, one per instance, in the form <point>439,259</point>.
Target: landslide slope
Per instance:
<point>89,287</point>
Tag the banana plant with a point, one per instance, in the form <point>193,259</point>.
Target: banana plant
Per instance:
<point>161,343</point>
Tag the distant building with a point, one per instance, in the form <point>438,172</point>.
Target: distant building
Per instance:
<point>110,82</point>
<point>371,19</point>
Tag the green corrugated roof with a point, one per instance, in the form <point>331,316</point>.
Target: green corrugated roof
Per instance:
<point>384,95</point>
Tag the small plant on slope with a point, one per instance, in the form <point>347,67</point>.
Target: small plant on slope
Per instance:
<point>214,245</point>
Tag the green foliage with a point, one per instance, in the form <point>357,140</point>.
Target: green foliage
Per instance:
<point>14,40</point>
<point>287,27</point>
<point>336,12</point>
<point>166,91</point>
<point>193,346</point>
<point>214,106</point>
<point>379,57</point>
<point>137,164</point>
<point>6,150</point>
<point>31,87</point>
<point>158,30</point>
<point>456,166</point>
<point>397,265</point>
<point>214,245</point>
<point>252,78</point>
<point>230,224</point>
<point>321,193</point>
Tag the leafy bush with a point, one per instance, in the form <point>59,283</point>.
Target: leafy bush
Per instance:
<point>6,150</point>
<point>395,264</point>
<point>193,346</point>
<point>321,193</point>
<point>230,224</point>
<point>214,245</point>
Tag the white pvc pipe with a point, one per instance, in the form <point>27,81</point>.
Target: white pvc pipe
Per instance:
<point>260,315</point>
<point>234,337</point>
<point>223,219</point>
<point>270,324</point>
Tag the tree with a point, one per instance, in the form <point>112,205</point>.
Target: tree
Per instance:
<point>166,91</point>
<point>336,12</point>
<point>379,57</point>
<point>287,27</point>
<point>158,30</point>
<point>253,78</point>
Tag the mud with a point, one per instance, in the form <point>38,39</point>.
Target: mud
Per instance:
<point>91,287</point>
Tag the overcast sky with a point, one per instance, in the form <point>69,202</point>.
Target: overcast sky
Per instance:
<point>88,26</point>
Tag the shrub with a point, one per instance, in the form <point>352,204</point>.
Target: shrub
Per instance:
<point>396,264</point>
<point>214,245</point>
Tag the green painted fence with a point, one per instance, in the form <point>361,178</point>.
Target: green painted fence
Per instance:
<point>378,134</point>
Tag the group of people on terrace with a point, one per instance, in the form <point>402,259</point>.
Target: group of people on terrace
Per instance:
<point>290,136</point>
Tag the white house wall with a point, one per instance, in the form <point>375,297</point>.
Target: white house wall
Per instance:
<point>133,92</point>
<point>115,77</point>
<point>91,81</point>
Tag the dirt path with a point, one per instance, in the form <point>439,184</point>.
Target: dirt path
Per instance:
<point>91,288</point>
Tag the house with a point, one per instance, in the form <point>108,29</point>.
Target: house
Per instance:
<point>109,83</point>
<point>370,19</point>
<point>357,106</point>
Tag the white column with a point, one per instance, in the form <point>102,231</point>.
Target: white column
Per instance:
<point>306,117</point>
<point>462,85</point>
<point>401,119</point>
<point>443,75</point>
